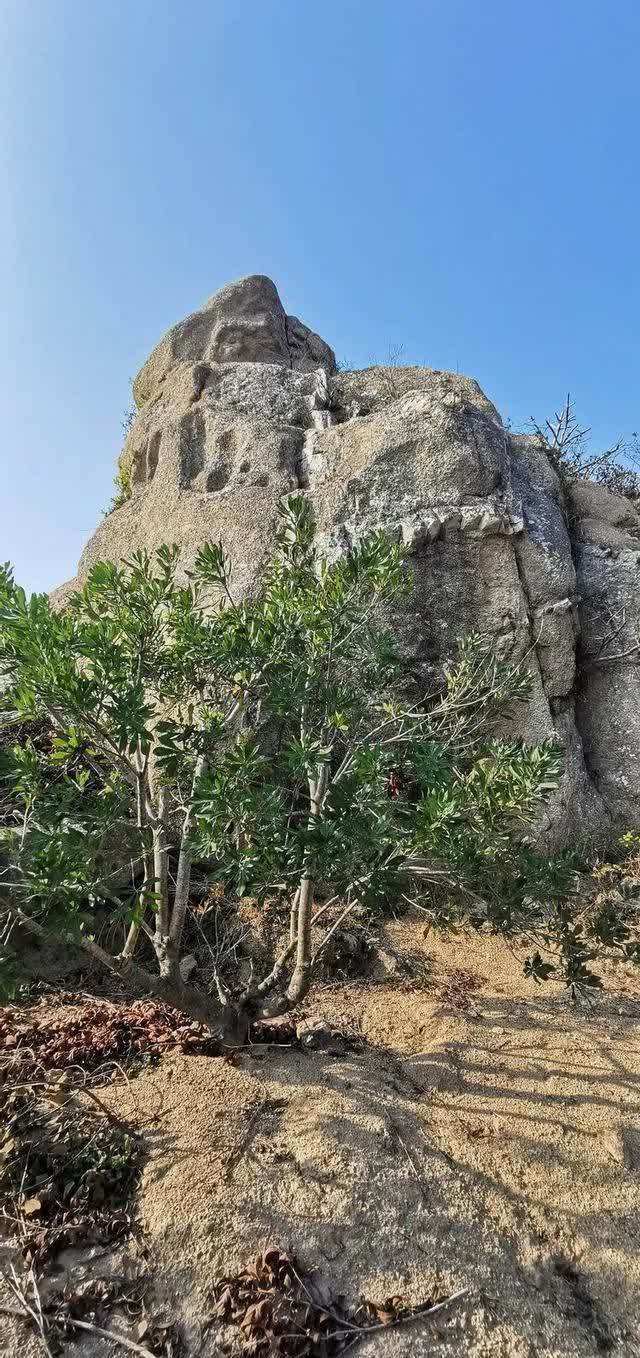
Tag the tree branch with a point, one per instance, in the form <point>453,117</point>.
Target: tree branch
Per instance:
<point>171,991</point>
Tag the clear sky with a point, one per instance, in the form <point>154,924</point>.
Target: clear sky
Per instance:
<point>460,177</point>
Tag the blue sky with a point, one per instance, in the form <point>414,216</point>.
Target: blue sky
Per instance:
<point>456,177</point>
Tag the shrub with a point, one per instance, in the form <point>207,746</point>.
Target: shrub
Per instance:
<point>274,740</point>
<point>122,491</point>
<point>122,478</point>
<point>568,447</point>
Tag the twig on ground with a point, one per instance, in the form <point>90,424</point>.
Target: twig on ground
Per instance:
<point>28,1312</point>
<point>111,1117</point>
<point>34,1313</point>
<point>359,1331</point>
<point>419,1180</point>
<point>111,1334</point>
<point>237,1151</point>
<point>419,1313</point>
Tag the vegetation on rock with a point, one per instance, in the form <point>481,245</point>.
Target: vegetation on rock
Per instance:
<point>567,445</point>
<point>122,491</point>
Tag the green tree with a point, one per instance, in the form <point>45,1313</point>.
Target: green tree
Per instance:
<point>275,741</point>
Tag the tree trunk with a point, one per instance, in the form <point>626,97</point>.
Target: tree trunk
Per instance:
<point>202,1008</point>
<point>133,935</point>
<point>183,876</point>
<point>301,979</point>
<point>293,918</point>
<point>161,879</point>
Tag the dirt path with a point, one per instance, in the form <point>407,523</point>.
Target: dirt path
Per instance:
<point>497,1148</point>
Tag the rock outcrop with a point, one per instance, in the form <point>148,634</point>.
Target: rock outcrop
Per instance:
<point>241,403</point>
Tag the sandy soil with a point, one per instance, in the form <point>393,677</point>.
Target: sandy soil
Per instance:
<point>496,1149</point>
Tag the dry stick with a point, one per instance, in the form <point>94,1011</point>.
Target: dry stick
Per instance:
<point>34,1313</point>
<point>348,1326</point>
<point>418,1314</point>
<point>48,1085</point>
<point>414,1167</point>
<point>237,1151</point>
<point>38,1305</point>
<point>28,1311</point>
<point>111,1117</point>
<point>363,1330</point>
<point>401,1320</point>
<point>110,1334</point>
<point>316,1301</point>
<point>347,911</point>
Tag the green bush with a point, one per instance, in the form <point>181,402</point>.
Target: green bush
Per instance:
<point>275,739</point>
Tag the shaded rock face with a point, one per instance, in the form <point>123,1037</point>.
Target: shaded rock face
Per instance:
<point>240,404</point>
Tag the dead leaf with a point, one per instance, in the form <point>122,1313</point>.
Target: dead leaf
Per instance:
<point>31,1206</point>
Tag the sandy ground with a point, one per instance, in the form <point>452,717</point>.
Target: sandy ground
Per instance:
<point>497,1149</point>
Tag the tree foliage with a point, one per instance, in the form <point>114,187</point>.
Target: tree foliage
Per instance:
<point>273,740</point>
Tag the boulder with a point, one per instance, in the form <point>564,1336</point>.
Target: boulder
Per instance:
<point>244,322</point>
<point>241,403</point>
<point>606,541</point>
<point>316,1034</point>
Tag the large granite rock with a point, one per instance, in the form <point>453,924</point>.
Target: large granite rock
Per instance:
<point>242,323</point>
<point>606,545</point>
<point>241,403</point>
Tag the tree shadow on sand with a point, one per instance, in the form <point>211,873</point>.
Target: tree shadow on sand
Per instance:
<point>397,1176</point>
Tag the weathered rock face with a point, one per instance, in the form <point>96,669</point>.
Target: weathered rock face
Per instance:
<point>240,404</point>
<point>242,323</point>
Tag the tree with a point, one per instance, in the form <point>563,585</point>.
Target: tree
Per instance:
<point>567,444</point>
<point>276,741</point>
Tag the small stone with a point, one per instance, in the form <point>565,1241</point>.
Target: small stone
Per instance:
<point>622,1144</point>
<point>187,966</point>
<point>315,1033</point>
<point>631,1142</point>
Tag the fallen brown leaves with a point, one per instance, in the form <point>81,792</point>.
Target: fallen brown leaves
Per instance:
<point>94,1300</point>
<point>66,1172</point>
<point>41,1243</point>
<point>94,1034</point>
<point>458,989</point>
<point>279,1310</point>
<point>87,1306</point>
